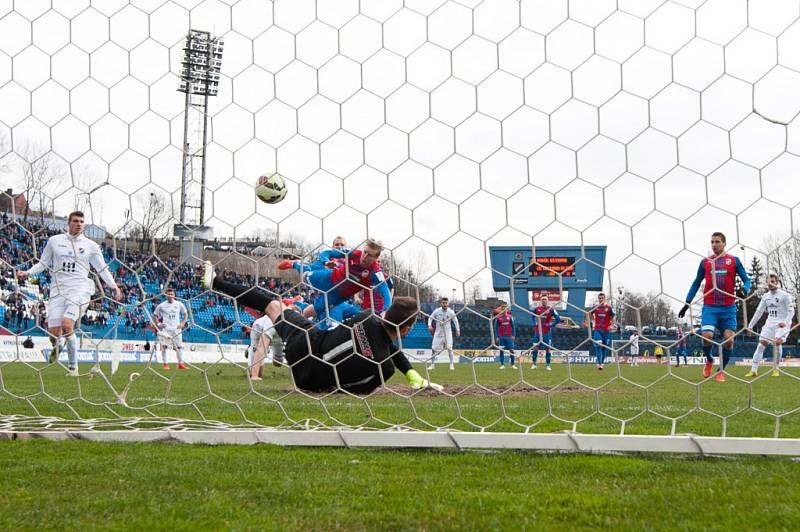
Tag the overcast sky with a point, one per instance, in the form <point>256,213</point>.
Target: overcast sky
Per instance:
<point>440,127</point>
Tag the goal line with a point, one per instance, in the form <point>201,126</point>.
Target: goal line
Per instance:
<point>568,442</point>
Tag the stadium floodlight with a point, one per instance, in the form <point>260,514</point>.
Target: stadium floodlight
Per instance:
<point>199,80</point>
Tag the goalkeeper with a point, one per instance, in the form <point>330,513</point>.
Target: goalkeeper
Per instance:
<point>357,358</point>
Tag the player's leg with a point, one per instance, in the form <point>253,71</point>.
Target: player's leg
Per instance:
<point>55,314</point>
<point>247,296</point>
<point>598,354</point>
<point>177,344</point>
<point>548,356</point>
<point>68,332</point>
<point>606,345</point>
<point>778,354</point>
<point>452,356</point>
<point>758,354</point>
<point>781,333</point>
<point>535,350</point>
<point>258,354</point>
<point>73,309</point>
<point>162,339</point>
<point>708,336</point>
<point>511,356</point>
<point>727,351</point>
<point>502,355</point>
<point>436,347</point>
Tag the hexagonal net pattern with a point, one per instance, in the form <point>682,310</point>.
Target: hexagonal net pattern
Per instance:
<point>445,129</point>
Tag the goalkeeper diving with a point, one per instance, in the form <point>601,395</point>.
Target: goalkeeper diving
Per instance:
<point>357,357</point>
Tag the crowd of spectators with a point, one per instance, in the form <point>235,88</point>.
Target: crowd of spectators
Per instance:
<point>140,276</point>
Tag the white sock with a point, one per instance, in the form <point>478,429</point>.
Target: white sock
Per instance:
<point>450,352</point>
<point>757,355</point>
<point>72,350</point>
<point>164,356</point>
<point>778,354</point>
<point>179,352</point>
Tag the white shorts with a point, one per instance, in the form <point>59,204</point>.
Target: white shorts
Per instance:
<point>69,307</point>
<point>171,337</point>
<point>440,343</point>
<point>635,352</point>
<point>772,332</point>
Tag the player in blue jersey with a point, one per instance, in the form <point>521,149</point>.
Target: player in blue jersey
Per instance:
<point>719,272</point>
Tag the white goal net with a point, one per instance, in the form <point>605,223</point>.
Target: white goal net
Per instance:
<point>499,150</point>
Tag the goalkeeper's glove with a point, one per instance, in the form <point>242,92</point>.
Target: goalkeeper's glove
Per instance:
<point>416,381</point>
<point>682,311</point>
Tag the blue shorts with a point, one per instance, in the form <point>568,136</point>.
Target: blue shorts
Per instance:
<point>505,342</point>
<point>604,337</point>
<point>546,339</point>
<point>719,318</point>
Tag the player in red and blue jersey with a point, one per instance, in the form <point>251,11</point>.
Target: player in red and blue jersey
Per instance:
<point>602,322</point>
<point>358,270</point>
<point>544,319</point>
<point>373,299</point>
<point>505,331</point>
<point>719,272</point>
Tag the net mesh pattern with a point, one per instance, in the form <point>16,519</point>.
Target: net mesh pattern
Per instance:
<point>438,127</point>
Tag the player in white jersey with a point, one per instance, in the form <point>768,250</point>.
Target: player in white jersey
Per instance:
<point>171,315</point>
<point>440,325</point>
<point>261,334</point>
<point>69,257</point>
<point>634,340</point>
<point>779,307</point>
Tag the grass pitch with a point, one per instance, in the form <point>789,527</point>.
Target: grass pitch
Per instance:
<point>90,486</point>
<point>648,399</point>
<point>82,485</point>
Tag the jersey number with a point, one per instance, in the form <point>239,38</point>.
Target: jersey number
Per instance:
<point>68,266</point>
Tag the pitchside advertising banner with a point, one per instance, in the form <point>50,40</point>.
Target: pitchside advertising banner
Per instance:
<point>11,350</point>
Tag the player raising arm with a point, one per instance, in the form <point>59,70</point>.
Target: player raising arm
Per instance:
<point>358,270</point>
<point>719,272</point>
<point>779,308</point>
<point>357,358</point>
<point>69,257</point>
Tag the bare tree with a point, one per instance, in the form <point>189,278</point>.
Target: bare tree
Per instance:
<point>40,171</point>
<point>152,220</point>
<point>653,310</point>
<point>783,258</point>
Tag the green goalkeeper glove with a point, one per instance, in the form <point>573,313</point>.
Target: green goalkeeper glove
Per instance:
<point>416,381</point>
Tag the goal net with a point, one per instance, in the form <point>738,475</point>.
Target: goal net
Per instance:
<point>622,133</point>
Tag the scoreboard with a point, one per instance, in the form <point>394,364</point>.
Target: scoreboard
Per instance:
<point>566,270</point>
<point>552,267</point>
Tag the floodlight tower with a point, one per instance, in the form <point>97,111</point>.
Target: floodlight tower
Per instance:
<point>199,80</point>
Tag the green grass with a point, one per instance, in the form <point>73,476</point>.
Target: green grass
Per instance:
<point>646,399</point>
<point>81,485</point>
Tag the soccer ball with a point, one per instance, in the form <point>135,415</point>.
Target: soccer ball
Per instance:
<point>270,188</point>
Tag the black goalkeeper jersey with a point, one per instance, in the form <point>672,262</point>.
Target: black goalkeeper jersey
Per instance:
<point>357,356</point>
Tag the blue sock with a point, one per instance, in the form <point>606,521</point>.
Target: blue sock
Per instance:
<point>547,356</point>
<point>502,358</point>
<point>511,356</point>
<point>535,355</point>
<point>726,356</point>
<point>707,352</point>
